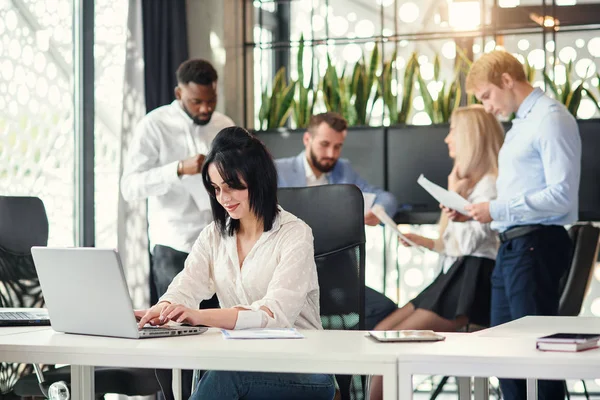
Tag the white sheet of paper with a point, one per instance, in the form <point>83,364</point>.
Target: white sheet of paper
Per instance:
<point>193,184</point>
<point>262,333</point>
<point>452,200</point>
<point>389,222</point>
<point>369,199</point>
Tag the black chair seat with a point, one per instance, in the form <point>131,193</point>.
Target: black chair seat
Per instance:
<point>127,381</point>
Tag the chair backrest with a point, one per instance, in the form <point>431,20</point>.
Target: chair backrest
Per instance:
<point>23,224</point>
<point>335,215</point>
<point>575,282</point>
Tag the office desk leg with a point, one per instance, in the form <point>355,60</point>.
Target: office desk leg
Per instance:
<point>532,389</point>
<point>390,384</point>
<point>464,387</point>
<point>482,391</point>
<point>177,389</point>
<point>82,382</point>
<point>405,387</point>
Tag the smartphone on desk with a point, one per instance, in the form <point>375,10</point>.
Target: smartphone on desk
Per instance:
<point>406,336</point>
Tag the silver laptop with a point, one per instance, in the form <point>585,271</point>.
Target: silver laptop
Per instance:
<point>86,293</point>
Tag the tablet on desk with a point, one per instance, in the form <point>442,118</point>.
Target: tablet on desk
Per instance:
<point>406,336</point>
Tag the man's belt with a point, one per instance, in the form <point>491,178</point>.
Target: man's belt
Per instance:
<point>518,231</point>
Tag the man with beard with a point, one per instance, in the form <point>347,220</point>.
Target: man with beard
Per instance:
<point>320,164</point>
<point>169,146</point>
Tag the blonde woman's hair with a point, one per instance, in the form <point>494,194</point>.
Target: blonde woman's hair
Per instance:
<point>478,137</point>
<point>490,67</point>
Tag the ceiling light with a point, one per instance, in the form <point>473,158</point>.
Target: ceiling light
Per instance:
<point>464,14</point>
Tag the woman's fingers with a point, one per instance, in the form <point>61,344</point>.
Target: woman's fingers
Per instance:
<point>174,313</point>
<point>164,313</point>
<point>139,314</point>
<point>148,316</point>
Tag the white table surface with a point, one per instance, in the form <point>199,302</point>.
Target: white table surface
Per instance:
<point>9,330</point>
<point>536,326</point>
<point>506,351</point>
<point>340,352</point>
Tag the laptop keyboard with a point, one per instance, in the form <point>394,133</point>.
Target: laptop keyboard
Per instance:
<point>19,316</point>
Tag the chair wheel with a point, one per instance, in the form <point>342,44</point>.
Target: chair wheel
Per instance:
<point>59,391</point>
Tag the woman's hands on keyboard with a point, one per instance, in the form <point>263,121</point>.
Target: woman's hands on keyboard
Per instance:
<point>152,315</point>
<point>181,314</point>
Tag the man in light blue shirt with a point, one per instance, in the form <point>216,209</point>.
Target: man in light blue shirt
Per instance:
<point>538,184</point>
<point>320,163</point>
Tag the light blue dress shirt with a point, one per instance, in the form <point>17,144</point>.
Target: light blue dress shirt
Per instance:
<point>539,167</point>
<point>291,173</point>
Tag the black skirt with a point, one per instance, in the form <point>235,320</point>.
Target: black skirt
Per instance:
<point>465,289</point>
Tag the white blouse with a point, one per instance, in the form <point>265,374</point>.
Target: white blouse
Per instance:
<point>470,238</point>
<point>278,273</point>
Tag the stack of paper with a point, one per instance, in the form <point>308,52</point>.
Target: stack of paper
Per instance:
<point>262,333</point>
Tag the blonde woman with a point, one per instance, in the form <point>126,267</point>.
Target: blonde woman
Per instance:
<point>461,292</point>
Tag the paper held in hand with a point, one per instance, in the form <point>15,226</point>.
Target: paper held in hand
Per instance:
<point>195,187</point>
<point>452,200</point>
<point>369,199</point>
<point>389,222</point>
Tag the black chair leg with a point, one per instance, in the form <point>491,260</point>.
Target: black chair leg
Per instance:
<point>344,382</point>
<point>585,390</point>
<point>439,388</point>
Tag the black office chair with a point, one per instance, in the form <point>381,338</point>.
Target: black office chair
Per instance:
<point>335,215</point>
<point>20,228</point>
<point>576,281</point>
<point>23,224</point>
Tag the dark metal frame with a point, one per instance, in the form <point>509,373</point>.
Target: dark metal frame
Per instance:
<point>83,102</point>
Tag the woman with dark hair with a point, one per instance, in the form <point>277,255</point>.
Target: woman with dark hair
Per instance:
<point>258,259</point>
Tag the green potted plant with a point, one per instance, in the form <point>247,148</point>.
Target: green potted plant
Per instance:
<point>276,105</point>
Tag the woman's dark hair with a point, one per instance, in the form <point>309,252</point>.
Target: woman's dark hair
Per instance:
<point>243,162</point>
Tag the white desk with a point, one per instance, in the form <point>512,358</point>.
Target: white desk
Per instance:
<point>507,351</point>
<point>6,330</point>
<point>340,352</point>
<point>536,326</point>
<point>533,327</point>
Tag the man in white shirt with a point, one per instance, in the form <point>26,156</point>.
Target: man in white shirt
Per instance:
<point>163,164</point>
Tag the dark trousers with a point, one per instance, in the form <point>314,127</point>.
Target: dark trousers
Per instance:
<point>166,263</point>
<point>377,307</point>
<point>525,281</point>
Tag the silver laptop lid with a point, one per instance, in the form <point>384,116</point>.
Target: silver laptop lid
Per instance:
<point>85,291</point>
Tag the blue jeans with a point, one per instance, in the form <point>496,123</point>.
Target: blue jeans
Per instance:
<point>525,281</point>
<point>225,385</point>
